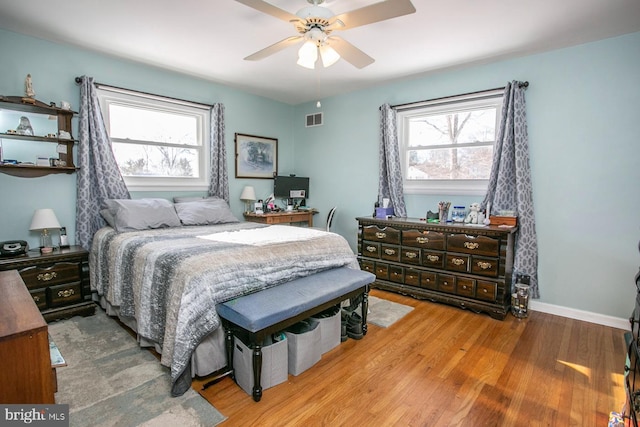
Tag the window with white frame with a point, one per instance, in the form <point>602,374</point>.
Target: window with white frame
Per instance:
<point>158,142</point>
<point>446,145</point>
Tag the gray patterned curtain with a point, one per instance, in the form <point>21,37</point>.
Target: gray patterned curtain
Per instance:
<point>99,177</point>
<point>510,181</point>
<point>219,181</point>
<point>390,171</point>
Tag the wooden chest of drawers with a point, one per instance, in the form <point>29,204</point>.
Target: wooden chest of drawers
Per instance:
<point>58,282</point>
<point>466,266</point>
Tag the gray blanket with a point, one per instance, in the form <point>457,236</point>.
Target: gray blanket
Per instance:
<point>170,281</point>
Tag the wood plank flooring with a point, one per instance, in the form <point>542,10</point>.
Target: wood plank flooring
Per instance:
<point>443,366</point>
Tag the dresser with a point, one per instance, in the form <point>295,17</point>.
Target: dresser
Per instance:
<point>632,366</point>
<point>26,375</point>
<point>466,266</point>
<point>58,282</point>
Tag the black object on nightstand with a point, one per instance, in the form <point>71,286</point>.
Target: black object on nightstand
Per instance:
<point>58,282</point>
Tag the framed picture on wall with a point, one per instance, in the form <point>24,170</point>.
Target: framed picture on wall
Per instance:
<point>256,156</point>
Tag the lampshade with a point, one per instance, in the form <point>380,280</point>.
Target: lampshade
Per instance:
<point>248,194</point>
<point>329,55</point>
<point>44,219</point>
<point>308,55</point>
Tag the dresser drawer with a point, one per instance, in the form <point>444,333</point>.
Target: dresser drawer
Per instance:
<point>411,277</point>
<point>396,274</point>
<point>390,253</point>
<point>477,245</point>
<point>367,266</point>
<point>62,272</point>
<point>39,297</point>
<point>382,271</point>
<point>447,283</point>
<point>457,262</point>
<point>486,290</point>
<point>428,280</point>
<point>465,287</point>
<point>484,266</point>
<point>433,259</point>
<point>68,293</point>
<point>423,239</point>
<point>385,235</point>
<point>371,250</point>
<point>410,255</point>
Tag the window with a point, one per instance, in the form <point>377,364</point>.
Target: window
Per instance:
<point>157,142</point>
<point>446,145</point>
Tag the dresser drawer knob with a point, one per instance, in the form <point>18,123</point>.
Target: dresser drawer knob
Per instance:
<point>471,245</point>
<point>411,255</point>
<point>422,240</point>
<point>457,261</point>
<point>464,287</point>
<point>484,265</point>
<point>381,235</point>
<point>390,251</point>
<point>485,290</point>
<point>66,293</point>
<point>433,258</point>
<point>45,277</point>
<point>371,249</point>
<point>36,298</point>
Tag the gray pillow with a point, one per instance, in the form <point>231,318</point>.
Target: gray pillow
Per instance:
<point>142,214</point>
<point>108,216</point>
<point>205,212</point>
<point>187,199</point>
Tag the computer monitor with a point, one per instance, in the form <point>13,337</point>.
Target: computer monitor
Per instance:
<point>290,187</point>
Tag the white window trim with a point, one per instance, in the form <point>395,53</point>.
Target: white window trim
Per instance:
<point>109,94</point>
<point>473,187</point>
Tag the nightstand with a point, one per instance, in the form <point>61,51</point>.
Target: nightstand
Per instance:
<point>58,282</point>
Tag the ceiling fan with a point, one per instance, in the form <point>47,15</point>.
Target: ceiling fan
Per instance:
<point>316,23</point>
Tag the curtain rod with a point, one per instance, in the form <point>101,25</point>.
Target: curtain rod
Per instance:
<point>79,80</point>
<point>521,84</point>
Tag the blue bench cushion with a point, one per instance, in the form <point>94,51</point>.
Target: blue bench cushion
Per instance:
<point>260,310</point>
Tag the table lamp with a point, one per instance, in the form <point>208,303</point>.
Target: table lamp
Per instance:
<point>248,195</point>
<point>44,220</point>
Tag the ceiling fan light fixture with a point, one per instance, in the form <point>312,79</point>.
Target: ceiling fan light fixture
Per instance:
<point>329,55</point>
<point>308,55</point>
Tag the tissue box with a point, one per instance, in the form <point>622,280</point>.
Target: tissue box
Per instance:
<point>274,365</point>
<point>383,212</point>
<point>329,320</point>
<point>304,345</point>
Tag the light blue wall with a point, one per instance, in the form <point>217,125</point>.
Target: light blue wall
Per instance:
<point>582,110</point>
<point>53,68</point>
<point>583,106</point>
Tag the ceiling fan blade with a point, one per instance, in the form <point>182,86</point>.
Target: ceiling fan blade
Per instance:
<point>350,53</point>
<point>269,9</point>
<point>375,13</point>
<point>274,48</point>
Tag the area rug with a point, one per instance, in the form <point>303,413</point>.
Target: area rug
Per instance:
<point>385,313</point>
<point>110,381</point>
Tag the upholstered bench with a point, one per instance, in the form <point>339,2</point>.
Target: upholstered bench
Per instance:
<point>258,315</point>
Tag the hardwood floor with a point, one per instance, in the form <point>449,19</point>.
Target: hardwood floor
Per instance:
<point>442,366</point>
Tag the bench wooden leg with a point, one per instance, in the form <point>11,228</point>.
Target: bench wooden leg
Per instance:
<point>365,309</point>
<point>257,372</point>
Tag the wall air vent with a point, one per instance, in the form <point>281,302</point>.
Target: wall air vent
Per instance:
<point>314,119</point>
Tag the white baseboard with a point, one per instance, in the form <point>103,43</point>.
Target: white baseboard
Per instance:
<point>587,316</point>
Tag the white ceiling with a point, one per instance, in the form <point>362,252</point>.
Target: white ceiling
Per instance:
<point>210,38</point>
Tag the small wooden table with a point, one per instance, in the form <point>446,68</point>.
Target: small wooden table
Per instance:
<point>281,217</point>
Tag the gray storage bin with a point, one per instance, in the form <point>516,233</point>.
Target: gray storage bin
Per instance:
<point>304,345</point>
<point>329,328</point>
<point>274,365</point>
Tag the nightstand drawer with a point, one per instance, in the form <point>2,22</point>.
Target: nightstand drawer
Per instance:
<point>61,272</point>
<point>68,293</point>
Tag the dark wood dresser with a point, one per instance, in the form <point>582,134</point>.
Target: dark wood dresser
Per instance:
<point>58,282</point>
<point>632,367</point>
<point>469,267</point>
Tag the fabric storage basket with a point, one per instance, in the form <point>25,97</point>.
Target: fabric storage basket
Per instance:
<point>329,328</point>
<point>304,345</point>
<point>274,364</point>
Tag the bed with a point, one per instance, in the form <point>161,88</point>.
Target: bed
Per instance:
<point>162,268</point>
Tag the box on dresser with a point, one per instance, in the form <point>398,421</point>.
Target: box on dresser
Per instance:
<point>466,266</point>
<point>58,282</point>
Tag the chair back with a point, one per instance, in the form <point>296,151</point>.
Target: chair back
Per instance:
<point>330,217</point>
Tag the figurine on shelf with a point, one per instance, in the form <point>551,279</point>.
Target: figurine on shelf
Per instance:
<point>24,128</point>
<point>28,87</point>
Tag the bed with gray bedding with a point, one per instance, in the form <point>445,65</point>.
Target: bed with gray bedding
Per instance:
<point>166,281</point>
